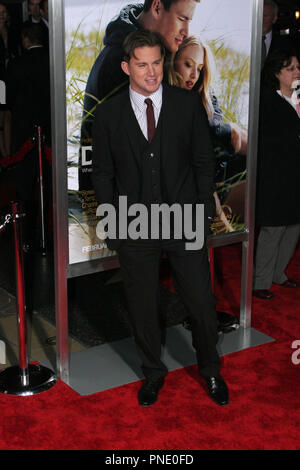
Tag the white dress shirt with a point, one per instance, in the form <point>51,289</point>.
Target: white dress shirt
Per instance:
<point>139,107</point>
<point>268,41</point>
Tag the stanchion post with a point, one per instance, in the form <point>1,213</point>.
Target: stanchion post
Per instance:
<point>41,189</point>
<point>24,379</point>
<point>23,361</point>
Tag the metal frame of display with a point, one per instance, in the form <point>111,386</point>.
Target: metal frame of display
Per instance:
<point>62,269</point>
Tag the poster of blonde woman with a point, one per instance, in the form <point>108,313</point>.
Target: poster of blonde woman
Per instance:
<point>207,44</point>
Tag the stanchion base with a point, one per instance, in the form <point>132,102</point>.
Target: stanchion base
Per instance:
<point>40,380</point>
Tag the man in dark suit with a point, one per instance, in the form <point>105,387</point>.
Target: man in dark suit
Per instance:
<point>270,40</point>
<point>28,98</point>
<point>34,11</point>
<point>44,12</point>
<point>152,153</point>
<point>37,10</point>
<point>28,87</point>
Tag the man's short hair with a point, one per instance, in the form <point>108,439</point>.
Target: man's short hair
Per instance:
<point>34,32</point>
<point>272,4</point>
<point>141,38</point>
<point>30,1</point>
<point>166,4</point>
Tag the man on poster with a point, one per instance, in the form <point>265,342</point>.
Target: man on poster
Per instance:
<point>141,150</point>
<point>168,18</point>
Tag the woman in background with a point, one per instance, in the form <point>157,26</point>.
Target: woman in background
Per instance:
<point>278,197</point>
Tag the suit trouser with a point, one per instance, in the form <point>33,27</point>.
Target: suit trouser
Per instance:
<point>140,263</point>
<point>275,248</point>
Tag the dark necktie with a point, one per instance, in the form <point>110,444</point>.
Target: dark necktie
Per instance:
<point>263,51</point>
<point>150,119</point>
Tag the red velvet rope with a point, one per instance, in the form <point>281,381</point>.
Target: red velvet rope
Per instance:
<point>18,156</point>
<point>21,154</point>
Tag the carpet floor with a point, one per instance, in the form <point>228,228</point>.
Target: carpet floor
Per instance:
<point>264,409</point>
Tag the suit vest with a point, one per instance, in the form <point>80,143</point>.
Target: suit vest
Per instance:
<point>153,187</point>
<point>150,154</point>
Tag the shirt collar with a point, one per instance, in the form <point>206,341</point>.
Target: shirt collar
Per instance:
<point>34,47</point>
<point>289,99</point>
<point>139,100</point>
<point>269,35</point>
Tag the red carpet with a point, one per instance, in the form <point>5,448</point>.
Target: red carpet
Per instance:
<point>264,395</point>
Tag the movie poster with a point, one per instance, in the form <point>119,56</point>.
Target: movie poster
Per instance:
<point>224,29</point>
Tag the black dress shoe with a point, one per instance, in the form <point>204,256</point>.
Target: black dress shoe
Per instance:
<point>149,391</point>
<point>290,283</point>
<point>264,294</point>
<point>217,390</point>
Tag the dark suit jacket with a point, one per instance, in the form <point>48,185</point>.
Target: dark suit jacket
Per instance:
<point>28,94</point>
<point>44,30</point>
<point>8,53</point>
<point>282,43</point>
<point>187,158</point>
<point>278,166</point>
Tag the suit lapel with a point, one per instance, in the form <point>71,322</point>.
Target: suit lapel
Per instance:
<point>170,118</point>
<point>132,128</point>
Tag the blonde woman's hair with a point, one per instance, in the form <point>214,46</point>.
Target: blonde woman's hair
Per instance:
<point>206,75</point>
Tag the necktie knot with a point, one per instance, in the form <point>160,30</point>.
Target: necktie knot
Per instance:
<point>150,119</point>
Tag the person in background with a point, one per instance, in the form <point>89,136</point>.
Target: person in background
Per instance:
<point>278,170</point>
<point>37,10</point>
<point>9,48</point>
<point>28,99</point>
<point>44,12</point>
<point>270,40</point>
<point>34,11</point>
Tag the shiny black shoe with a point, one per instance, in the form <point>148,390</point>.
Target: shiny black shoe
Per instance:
<point>148,393</point>
<point>264,294</point>
<point>217,390</point>
<point>289,283</point>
